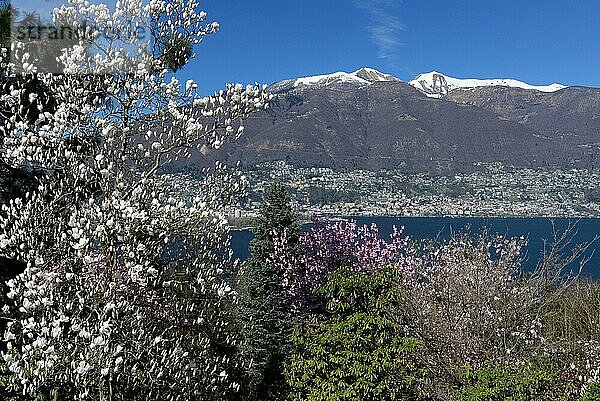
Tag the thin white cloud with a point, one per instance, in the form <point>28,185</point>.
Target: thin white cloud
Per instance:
<point>385,27</point>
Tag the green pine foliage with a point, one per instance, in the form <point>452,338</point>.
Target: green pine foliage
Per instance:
<point>262,308</point>
<point>355,351</point>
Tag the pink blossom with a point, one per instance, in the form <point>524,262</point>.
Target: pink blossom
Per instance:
<point>329,246</point>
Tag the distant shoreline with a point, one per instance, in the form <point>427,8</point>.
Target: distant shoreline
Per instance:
<point>246,223</point>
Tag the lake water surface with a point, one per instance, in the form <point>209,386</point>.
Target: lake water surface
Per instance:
<point>535,229</point>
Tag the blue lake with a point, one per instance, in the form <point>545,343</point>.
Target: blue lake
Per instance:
<point>535,229</point>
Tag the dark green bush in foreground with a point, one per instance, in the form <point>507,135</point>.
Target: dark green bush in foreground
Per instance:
<point>355,352</point>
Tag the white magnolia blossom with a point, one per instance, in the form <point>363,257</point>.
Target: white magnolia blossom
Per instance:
<point>122,297</point>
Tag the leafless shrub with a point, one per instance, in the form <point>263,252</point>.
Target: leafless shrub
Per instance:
<point>471,302</point>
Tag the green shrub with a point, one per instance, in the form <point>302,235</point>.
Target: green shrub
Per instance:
<point>592,393</point>
<point>528,382</point>
<point>356,352</point>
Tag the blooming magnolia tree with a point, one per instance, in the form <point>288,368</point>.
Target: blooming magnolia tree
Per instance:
<point>122,296</point>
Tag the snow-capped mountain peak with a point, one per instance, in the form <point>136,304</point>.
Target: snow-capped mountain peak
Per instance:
<point>328,79</point>
<point>362,77</point>
<point>435,84</point>
<point>372,75</point>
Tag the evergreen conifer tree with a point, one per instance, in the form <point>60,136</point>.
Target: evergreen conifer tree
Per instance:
<point>262,306</point>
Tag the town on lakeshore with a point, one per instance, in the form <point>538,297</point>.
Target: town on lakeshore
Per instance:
<point>491,189</point>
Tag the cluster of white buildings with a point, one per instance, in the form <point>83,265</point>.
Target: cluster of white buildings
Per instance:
<point>490,190</point>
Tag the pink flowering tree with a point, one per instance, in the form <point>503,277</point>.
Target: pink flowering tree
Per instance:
<point>330,246</point>
<point>344,287</point>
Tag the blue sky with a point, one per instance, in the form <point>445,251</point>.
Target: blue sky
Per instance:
<point>536,41</point>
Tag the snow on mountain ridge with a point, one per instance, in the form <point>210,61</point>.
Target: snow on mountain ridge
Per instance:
<point>435,84</point>
<point>363,76</point>
<point>327,79</point>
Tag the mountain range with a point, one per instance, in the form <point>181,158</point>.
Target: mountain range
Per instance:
<point>435,123</point>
